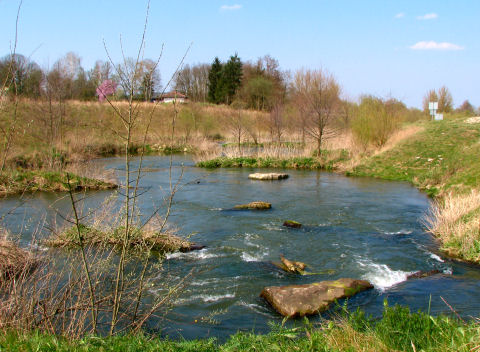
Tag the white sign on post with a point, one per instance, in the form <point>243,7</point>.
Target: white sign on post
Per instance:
<point>433,107</point>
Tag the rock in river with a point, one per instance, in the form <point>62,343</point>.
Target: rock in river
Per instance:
<point>292,224</point>
<point>254,205</point>
<point>423,274</point>
<point>192,247</point>
<point>269,176</point>
<point>301,300</point>
<point>291,266</point>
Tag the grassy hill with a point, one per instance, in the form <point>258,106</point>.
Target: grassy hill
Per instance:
<point>442,158</point>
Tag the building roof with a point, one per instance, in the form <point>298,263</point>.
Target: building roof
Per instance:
<point>173,94</point>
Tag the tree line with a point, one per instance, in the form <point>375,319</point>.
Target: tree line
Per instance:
<point>259,85</point>
<point>310,98</point>
<point>66,79</point>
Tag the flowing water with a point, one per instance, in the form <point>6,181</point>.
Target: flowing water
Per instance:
<point>352,227</point>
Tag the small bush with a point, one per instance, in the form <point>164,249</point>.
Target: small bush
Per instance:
<point>375,122</point>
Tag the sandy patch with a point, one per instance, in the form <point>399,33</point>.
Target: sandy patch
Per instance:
<point>475,119</point>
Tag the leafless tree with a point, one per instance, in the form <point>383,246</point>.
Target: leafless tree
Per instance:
<point>193,81</point>
<point>442,96</point>
<point>430,96</point>
<point>236,124</point>
<point>8,130</point>
<point>317,95</point>
<point>276,122</point>
<point>466,108</point>
<point>445,100</point>
<point>101,72</point>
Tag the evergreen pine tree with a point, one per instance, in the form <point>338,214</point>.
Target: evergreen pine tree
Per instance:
<point>230,80</point>
<point>213,78</point>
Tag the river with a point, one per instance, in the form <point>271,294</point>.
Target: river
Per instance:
<point>352,227</point>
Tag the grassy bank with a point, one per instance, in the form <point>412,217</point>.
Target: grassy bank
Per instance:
<point>293,163</point>
<point>48,181</point>
<point>442,158</point>
<point>397,330</point>
<point>327,161</point>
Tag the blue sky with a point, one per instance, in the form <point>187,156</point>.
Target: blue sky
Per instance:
<point>398,48</point>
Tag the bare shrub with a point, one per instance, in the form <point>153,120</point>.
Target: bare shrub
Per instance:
<point>14,261</point>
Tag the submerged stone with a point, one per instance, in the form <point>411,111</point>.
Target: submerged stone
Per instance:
<point>253,206</point>
<point>301,300</point>
<point>421,274</point>
<point>192,247</point>
<point>290,265</point>
<point>292,224</point>
<point>267,176</point>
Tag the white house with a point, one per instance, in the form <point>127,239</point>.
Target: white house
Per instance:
<point>170,97</point>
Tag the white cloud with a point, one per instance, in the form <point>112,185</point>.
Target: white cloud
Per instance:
<point>400,15</point>
<point>230,7</point>
<point>428,16</point>
<point>431,45</point>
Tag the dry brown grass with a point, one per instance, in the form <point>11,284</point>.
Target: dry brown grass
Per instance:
<point>84,130</point>
<point>455,220</point>
<point>293,149</point>
<point>55,299</point>
<point>358,154</point>
<point>163,242</point>
<point>103,229</point>
<point>343,140</point>
<point>400,136</point>
<point>14,261</point>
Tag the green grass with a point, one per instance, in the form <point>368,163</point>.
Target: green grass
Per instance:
<point>252,162</point>
<point>49,181</point>
<point>326,161</point>
<point>443,157</point>
<point>398,330</point>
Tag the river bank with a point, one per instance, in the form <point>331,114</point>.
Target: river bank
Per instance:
<point>365,222</point>
<point>398,330</point>
<point>48,181</point>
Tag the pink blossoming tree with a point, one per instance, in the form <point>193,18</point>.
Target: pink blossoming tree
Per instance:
<point>107,87</point>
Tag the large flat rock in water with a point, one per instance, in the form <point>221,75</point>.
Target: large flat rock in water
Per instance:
<point>300,300</point>
<point>253,206</point>
<point>269,176</point>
